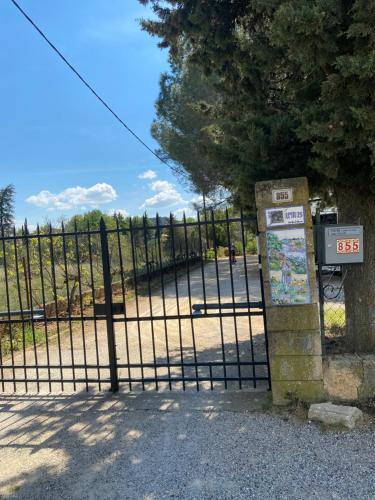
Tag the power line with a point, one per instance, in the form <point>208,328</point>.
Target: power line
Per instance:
<point>85,82</point>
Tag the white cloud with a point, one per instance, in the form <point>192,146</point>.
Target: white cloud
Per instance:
<point>118,211</point>
<point>166,195</point>
<point>74,197</point>
<point>148,174</point>
<point>161,186</point>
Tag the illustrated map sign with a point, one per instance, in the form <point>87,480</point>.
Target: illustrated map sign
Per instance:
<point>282,195</point>
<point>285,216</point>
<point>287,264</point>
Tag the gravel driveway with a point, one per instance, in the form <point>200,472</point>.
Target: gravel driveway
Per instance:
<point>185,446</point>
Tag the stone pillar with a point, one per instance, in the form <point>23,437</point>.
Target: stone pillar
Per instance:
<point>287,251</point>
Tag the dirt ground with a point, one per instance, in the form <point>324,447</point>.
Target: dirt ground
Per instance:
<point>157,340</point>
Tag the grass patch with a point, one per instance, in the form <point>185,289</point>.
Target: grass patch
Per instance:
<point>15,336</point>
<point>335,320</point>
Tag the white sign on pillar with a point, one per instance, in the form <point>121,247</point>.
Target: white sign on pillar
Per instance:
<point>285,216</point>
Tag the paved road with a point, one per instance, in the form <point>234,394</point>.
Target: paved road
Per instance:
<point>186,446</point>
<point>157,340</point>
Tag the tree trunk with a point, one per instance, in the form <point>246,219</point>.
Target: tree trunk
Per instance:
<point>359,285</point>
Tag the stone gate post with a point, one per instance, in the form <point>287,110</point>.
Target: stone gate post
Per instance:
<point>287,252</point>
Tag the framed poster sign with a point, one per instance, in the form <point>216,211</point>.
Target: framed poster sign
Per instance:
<point>287,264</point>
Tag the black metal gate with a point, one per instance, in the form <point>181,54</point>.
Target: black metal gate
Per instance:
<point>142,304</point>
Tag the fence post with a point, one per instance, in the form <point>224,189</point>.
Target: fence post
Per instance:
<point>108,307</point>
<point>290,291</point>
<point>320,277</point>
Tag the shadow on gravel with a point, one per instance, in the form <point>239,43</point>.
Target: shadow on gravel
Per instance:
<point>174,445</point>
<point>79,433</point>
<point>231,352</point>
<point>75,446</point>
<point>99,445</point>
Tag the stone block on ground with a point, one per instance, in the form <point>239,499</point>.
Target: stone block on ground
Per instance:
<point>330,414</point>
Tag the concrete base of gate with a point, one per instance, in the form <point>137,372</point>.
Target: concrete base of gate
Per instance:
<point>234,401</point>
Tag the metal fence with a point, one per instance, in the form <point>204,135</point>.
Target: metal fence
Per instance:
<point>331,282</point>
<point>153,305</point>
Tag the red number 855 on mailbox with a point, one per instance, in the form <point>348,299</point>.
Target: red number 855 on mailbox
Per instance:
<point>347,246</point>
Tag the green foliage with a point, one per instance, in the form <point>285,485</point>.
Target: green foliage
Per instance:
<point>251,246</point>
<point>16,338</point>
<point>220,252</point>
<point>185,128</point>
<point>92,220</point>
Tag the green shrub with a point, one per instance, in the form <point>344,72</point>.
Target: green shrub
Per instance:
<point>14,337</point>
<point>220,252</point>
<point>251,246</point>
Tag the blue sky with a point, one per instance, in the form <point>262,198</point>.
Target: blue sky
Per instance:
<point>59,146</point>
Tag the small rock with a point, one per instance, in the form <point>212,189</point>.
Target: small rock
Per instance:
<point>331,414</point>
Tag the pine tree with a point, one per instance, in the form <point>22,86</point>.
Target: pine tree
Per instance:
<point>7,208</point>
<point>297,81</point>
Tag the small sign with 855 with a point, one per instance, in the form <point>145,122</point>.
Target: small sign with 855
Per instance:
<point>282,195</point>
<point>349,245</point>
